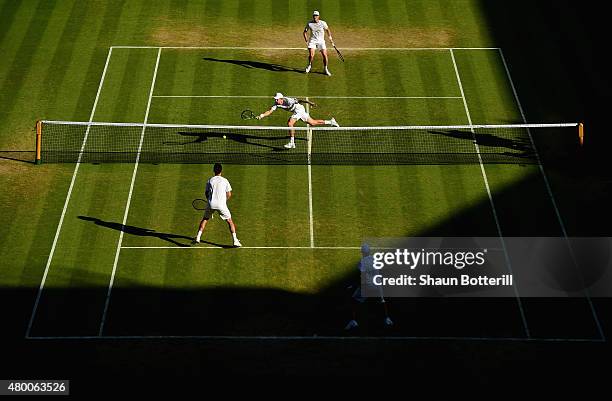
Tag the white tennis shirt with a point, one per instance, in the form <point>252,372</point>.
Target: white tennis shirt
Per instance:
<point>317,30</point>
<point>216,189</point>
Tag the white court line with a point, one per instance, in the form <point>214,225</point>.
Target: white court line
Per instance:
<point>246,247</point>
<point>486,182</point>
<point>303,48</point>
<point>309,138</point>
<point>317,338</point>
<point>129,200</point>
<point>550,193</point>
<point>318,97</point>
<point>74,175</point>
<point>275,247</point>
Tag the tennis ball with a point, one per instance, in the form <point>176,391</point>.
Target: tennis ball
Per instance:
<point>224,137</point>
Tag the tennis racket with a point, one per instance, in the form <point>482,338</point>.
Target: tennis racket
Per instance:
<point>248,115</point>
<point>199,204</point>
<point>339,54</point>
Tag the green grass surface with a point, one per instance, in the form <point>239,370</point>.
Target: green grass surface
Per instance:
<point>53,57</point>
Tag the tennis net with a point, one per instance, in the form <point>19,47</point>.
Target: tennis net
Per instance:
<point>96,142</point>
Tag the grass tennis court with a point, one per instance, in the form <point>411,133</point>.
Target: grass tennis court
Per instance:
<point>103,251</point>
<point>301,226</point>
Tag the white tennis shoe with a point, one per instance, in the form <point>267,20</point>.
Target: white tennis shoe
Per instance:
<point>388,321</point>
<point>237,243</point>
<point>307,70</point>
<point>334,122</point>
<point>290,145</point>
<point>327,72</point>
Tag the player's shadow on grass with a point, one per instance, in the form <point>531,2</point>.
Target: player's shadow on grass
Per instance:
<point>246,139</point>
<point>146,232</point>
<point>520,148</point>
<point>256,64</point>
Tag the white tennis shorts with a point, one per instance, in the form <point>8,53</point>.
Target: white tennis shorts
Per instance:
<point>317,44</point>
<point>300,113</point>
<point>224,213</point>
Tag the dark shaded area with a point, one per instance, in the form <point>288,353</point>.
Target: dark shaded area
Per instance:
<point>469,339</point>
<point>256,64</point>
<point>159,365</point>
<point>556,54</point>
<point>18,155</point>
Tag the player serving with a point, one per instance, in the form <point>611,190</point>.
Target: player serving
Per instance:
<point>294,106</point>
<point>317,28</point>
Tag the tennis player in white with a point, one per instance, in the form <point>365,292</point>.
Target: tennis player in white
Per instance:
<point>294,106</point>
<point>317,28</point>
<point>218,192</point>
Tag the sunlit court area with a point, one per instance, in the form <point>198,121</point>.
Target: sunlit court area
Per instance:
<point>182,185</point>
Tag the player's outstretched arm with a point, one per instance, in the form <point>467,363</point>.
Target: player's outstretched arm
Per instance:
<point>265,114</point>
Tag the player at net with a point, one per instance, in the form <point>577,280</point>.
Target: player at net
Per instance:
<point>295,106</point>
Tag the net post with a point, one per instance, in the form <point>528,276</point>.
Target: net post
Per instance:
<point>581,133</point>
<point>38,142</point>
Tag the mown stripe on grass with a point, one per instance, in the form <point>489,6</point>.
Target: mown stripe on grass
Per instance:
<point>16,33</point>
<point>279,12</point>
<point>255,197</point>
<point>83,64</point>
<point>415,186</point>
<point>349,7</point>
<point>65,50</point>
<point>382,13</point>
<point>213,8</point>
<point>26,246</point>
<point>21,64</point>
<point>246,12</point>
<point>91,242</point>
<point>7,13</point>
<point>83,95</point>
<point>129,101</point>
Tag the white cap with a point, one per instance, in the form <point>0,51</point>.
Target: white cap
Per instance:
<point>315,12</point>
<point>278,96</point>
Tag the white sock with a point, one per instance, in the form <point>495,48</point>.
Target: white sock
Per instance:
<point>199,235</point>
<point>292,140</point>
<point>235,237</point>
